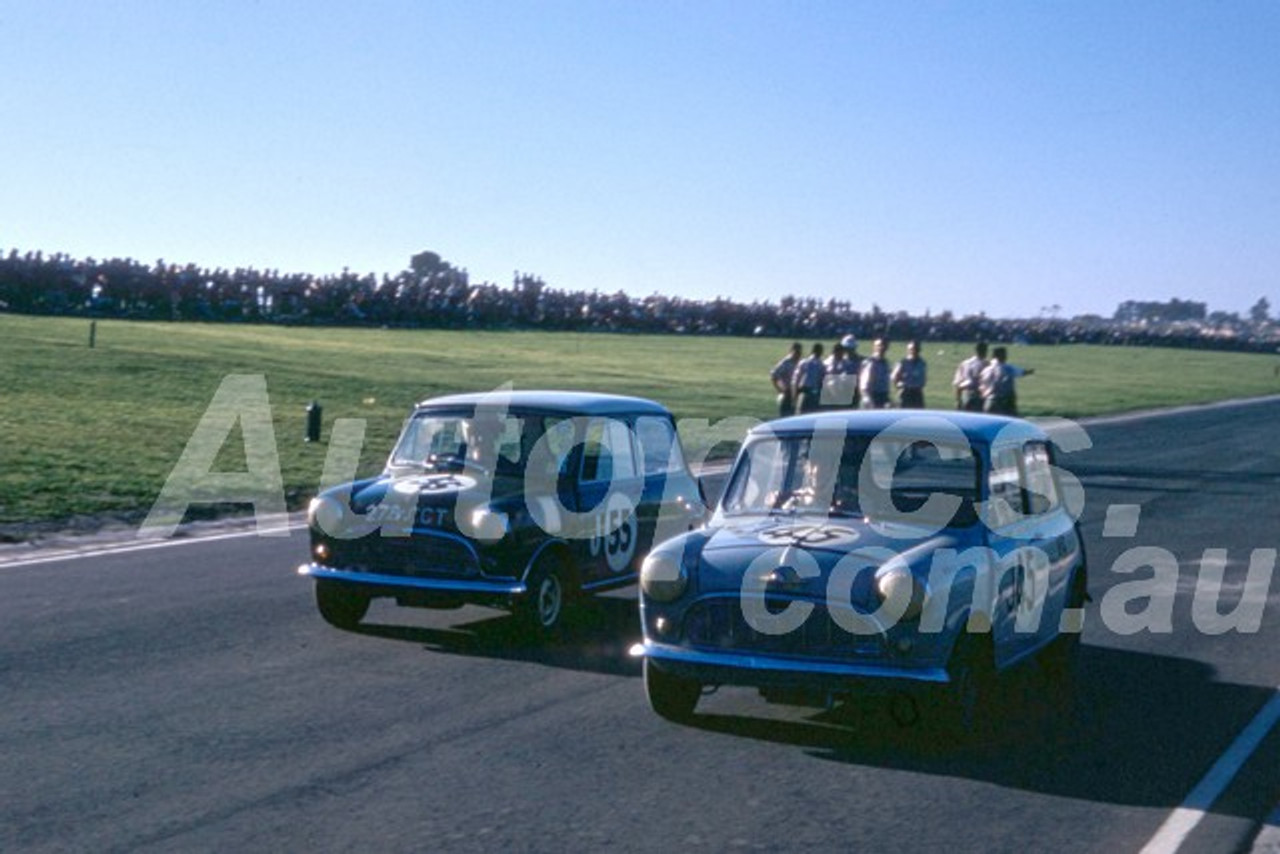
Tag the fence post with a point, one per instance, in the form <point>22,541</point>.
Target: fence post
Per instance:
<point>314,411</point>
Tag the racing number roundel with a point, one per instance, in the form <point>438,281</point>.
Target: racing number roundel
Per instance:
<point>808,535</point>
<point>434,484</point>
<point>615,533</point>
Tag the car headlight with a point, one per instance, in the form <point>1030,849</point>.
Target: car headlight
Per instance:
<point>325,514</point>
<point>663,577</point>
<point>899,591</point>
<point>488,525</point>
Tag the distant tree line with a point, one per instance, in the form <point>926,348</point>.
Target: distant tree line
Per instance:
<point>1173,311</point>
<point>433,293</point>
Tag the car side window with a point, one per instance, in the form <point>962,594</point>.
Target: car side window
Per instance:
<point>510,448</point>
<point>607,453</point>
<point>558,434</point>
<point>659,451</point>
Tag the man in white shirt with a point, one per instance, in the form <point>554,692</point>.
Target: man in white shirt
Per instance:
<point>967,377</point>
<point>998,384</point>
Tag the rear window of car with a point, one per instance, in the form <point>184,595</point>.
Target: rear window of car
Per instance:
<point>1021,484</point>
<point>1005,487</point>
<point>659,450</point>
<point>1041,488</point>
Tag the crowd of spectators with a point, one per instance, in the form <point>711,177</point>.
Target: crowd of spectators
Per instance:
<point>432,293</point>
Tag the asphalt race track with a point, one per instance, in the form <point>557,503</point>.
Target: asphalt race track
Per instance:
<point>187,697</point>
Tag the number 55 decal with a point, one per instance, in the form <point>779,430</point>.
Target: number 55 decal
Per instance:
<point>615,534</point>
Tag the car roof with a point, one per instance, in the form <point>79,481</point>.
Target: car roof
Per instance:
<point>558,402</point>
<point>976,426</point>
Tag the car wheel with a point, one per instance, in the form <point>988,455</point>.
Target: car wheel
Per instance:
<point>340,606</point>
<point>969,710</point>
<point>543,608</point>
<point>672,697</point>
<point>1061,658</point>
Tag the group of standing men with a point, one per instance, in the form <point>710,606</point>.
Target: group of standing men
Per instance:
<point>846,380</point>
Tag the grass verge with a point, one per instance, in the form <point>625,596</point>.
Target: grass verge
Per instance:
<point>94,432</point>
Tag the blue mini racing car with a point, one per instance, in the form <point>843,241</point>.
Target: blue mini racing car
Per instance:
<point>871,552</point>
<point>520,499</point>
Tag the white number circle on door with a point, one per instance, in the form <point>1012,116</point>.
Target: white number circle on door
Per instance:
<point>615,533</point>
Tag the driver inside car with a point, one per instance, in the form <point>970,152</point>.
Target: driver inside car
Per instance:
<point>480,437</point>
<point>824,480</point>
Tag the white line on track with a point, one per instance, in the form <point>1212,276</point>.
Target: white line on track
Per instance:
<point>1268,839</point>
<point>1178,826</point>
<point>296,523</point>
<point>146,545</point>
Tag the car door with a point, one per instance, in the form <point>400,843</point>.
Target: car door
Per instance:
<point>609,488</point>
<point>1026,521</point>
<point>1056,542</point>
<point>671,502</point>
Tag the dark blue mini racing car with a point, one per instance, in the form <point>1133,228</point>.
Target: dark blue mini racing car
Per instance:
<point>871,552</point>
<point>521,499</point>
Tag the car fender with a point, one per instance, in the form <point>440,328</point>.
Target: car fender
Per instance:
<point>556,543</point>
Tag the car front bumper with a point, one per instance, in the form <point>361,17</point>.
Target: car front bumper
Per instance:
<point>391,583</point>
<point>754,669</point>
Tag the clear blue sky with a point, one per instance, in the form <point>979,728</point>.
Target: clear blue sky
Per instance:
<point>971,156</point>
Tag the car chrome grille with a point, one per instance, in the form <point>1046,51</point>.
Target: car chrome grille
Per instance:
<point>416,556</point>
<point>720,624</point>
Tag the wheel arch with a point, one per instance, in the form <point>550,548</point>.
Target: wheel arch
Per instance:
<point>559,548</point>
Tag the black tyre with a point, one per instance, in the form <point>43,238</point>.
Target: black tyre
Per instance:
<point>672,697</point>
<point>1060,660</point>
<point>340,606</point>
<point>542,610</point>
<point>969,709</point>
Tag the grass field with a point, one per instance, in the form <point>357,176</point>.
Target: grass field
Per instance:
<point>96,431</point>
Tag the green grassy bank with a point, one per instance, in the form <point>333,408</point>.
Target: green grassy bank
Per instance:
<point>96,431</point>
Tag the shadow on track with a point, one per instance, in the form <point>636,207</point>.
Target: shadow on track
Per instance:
<point>1140,729</point>
<point>597,633</point>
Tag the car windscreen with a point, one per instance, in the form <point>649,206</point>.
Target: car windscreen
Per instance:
<point>890,478</point>
<point>443,441</point>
